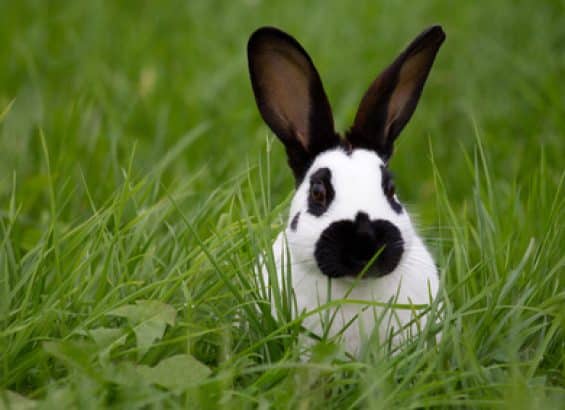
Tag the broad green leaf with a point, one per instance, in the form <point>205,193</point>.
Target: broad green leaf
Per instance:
<point>149,319</point>
<point>146,310</point>
<point>176,372</point>
<point>10,400</point>
<point>124,373</point>
<point>104,336</point>
<point>59,398</point>
<point>106,339</point>
<point>76,355</point>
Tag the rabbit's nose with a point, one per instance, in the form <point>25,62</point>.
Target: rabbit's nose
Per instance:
<point>345,247</point>
<point>363,226</point>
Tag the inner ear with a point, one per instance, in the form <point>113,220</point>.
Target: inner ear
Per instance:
<point>281,79</point>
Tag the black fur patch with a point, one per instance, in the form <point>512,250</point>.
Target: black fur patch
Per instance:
<point>300,160</point>
<point>294,222</point>
<point>323,176</point>
<point>386,181</point>
<point>346,247</point>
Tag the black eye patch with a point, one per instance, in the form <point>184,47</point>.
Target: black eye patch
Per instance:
<point>387,184</point>
<point>321,192</point>
<point>294,222</point>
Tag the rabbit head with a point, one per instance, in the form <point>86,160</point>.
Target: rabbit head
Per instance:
<point>345,220</point>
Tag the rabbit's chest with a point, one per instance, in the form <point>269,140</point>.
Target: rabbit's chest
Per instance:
<point>354,308</point>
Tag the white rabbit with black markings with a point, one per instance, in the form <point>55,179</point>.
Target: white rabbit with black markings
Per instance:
<point>348,237</point>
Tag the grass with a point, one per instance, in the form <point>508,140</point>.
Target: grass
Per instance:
<point>138,185</point>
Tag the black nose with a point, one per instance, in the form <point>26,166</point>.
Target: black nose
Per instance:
<point>369,239</point>
<point>363,227</point>
<point>346,247</point>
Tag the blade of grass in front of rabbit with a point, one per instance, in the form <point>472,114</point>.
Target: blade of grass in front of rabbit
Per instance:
<point>226,280</point>
<point>348,292</point>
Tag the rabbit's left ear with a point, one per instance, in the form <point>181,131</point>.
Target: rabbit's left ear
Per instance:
<point>391,99</point>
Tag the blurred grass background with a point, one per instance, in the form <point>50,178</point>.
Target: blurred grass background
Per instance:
<point>98,77</point>
<point>96,96</point>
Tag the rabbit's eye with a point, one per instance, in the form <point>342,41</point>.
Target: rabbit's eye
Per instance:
<point>389,190</point>
<point>318,193</point>
<point>321,192</point>
<point>387,183</point>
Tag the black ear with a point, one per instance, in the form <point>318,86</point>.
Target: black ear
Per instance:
<point>391,99</point>
<point>290,97</point>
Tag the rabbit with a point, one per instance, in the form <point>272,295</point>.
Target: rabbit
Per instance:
<point>349,239</point>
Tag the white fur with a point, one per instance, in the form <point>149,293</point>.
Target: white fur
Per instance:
<point>356,179</point>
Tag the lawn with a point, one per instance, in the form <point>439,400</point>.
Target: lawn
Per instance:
<point>138,184</point>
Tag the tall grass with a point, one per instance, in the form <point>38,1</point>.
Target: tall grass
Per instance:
<point>138,187</point>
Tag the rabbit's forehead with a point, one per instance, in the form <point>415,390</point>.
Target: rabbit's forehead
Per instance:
<point>356,166</point>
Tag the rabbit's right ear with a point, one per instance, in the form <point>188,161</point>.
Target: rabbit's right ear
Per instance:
<point>391,100</point>
<point>290,97</point>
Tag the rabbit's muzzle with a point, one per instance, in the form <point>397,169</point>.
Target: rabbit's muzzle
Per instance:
<point>352,247</point>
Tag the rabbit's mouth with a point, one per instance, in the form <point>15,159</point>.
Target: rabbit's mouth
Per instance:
<point>351,247</point>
